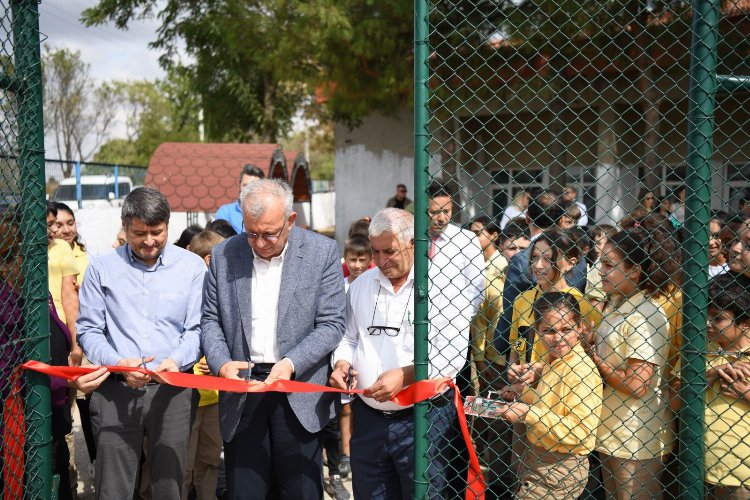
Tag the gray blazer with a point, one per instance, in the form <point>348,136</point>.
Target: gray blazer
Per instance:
<point>311,312</point>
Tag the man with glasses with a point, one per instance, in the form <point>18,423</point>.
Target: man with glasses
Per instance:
<point>400,200</point>
<point>377,355</point>
<point>274,310</point>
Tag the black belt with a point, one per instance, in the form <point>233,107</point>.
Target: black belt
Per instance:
<point>262,368</point>
<point>436,401</point>
<point>119,377</point>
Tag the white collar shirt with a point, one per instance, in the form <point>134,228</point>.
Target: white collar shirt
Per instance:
<point>456,285</point>
<point>265,286</point>
<point>373,302</point>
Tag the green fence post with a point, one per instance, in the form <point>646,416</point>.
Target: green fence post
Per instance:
<point>421,176</point>
<point>698,202</point>
<point>31,159</point>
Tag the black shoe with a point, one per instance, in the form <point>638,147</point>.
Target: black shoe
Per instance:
<point>345,466</point>
<point>335,487</point>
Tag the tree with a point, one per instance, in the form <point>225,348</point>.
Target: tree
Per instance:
<point>77,113</point>
<point>258,61</point>
<point>156,112</point>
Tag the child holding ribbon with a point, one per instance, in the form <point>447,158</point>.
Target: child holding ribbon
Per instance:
<point>562,411</point>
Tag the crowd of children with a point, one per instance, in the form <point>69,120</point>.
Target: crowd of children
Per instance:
<point>592,378</point>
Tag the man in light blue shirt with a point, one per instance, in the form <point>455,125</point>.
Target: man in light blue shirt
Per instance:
<point>232,212</point>
<point>140,305</point>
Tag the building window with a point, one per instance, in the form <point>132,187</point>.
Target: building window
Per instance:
<point>507,183</point>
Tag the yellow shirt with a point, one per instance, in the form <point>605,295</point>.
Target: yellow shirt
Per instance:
<point>565,405</point>
<point>671,304</point>
<point>208,397</point>
<point>60,263</point>
<point>483,325</point>
<point>635,428</point>
<point>523,319</point>
<point>727,434</point>
<point>82,261</point>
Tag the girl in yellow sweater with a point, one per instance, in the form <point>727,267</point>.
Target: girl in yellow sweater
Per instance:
<point>561,411</point>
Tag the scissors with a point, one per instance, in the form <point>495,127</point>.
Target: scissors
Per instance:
<point>349,379</point>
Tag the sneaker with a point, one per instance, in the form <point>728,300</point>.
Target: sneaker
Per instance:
<point>335,487</point>
<point>345,466</point>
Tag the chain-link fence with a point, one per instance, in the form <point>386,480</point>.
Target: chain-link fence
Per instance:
<point>25,464</point>
<point>599,152</point>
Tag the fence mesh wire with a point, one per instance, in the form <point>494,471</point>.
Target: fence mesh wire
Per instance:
<point>25,462</point>
<point>558,140</point>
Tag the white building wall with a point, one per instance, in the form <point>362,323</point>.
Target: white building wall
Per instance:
<point>369,162</point>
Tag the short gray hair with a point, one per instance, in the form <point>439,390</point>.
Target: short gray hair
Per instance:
<point>147,205</point>
<point>253,198</point>
<point>398,222</point>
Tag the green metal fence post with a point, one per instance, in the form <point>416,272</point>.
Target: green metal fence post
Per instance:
<point>698,202</point>
<point>31,160</point>
<point>421,176</point>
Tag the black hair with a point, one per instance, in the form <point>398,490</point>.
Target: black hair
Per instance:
<point>187,235</point>
<point>437,189</point>
<point>221,227</point>
<point>544,210</point>
<point>581,237</point>
<point>516,228</point>
<point>253,171</point>
<point>358,245</point>
<point>731,292</point>
<point>360,227</point>
<point>482,219</point>
<point>51,208</point>
<point>62,207</point>
<point>556,301</point>
<point>656,253</point>
<point>147,205</point>
<point>401,186</point>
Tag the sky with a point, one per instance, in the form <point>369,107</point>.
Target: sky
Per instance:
<point>113,54</point>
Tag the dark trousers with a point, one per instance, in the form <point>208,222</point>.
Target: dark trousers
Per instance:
<point>88,431</point>
<point>121,416</point>
<point>62,424</point>
<point>382,453</point>
<point>332,443</point>
<point>272,455</point>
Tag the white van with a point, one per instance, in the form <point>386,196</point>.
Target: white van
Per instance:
<point>96,191</point>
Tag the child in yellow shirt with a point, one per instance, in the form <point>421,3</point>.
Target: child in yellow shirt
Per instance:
<point>562,411</point>
<point>553,254</point>
<point>727,417</point>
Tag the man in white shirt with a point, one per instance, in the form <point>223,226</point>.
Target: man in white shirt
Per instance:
<point>379,347</point>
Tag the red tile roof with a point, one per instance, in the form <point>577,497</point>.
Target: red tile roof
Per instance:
<point>200,177</point>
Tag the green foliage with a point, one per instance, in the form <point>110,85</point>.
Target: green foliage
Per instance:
<point>258,61</point>
<point>317,139</point>
<point>156,112</point>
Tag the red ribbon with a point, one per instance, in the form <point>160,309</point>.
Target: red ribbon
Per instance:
<point>419,391</point>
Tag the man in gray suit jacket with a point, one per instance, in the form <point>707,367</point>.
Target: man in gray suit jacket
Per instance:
<point>274,308</point>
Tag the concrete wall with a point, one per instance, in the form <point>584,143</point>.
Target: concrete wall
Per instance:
<point>369,162</point>
<point>323,208</point>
